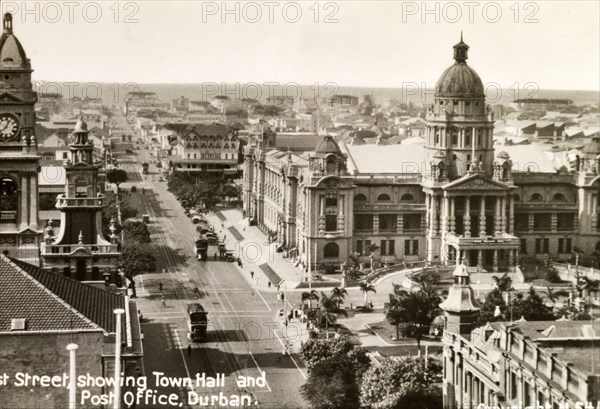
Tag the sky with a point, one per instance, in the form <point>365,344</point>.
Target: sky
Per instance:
<point>552,44</point>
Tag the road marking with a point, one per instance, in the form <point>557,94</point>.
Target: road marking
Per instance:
<point>187,371</point>
<point>265,301</point>
<point>291,357</point>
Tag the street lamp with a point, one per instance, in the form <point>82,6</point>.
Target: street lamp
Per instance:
<point>117,403</point>
<point>72,348</point>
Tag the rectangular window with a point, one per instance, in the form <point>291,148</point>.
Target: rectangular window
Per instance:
<point>454,138</point>
<point>330,222</point>
<point>411,247</point>
<point>388,221</point>
<point>363,222</point>
<point>523,246</point>
<point>387,247</point>
<point>541,246</point>
<point>564,245</point>
<point>513,385</point>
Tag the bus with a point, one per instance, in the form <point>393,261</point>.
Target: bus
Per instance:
<point>197,322</point>
<point>201,248</point>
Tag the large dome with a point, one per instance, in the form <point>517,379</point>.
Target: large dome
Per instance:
<point>460,80</point>
<point>328,145</point>
<point>12,54</point>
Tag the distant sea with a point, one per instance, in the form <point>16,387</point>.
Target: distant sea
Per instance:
<point>115,93</point>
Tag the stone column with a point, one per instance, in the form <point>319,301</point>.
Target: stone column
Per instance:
<point>497,219</point>
<point>457,256</point>
<point>341,219</point>
<point>479,260</point>
<point>23,217</point>
<point>434,223</point>
<point>495,265</point>
<point>423,224</point>
<point>399,223</point>
<point>321,214</point>
<point>33,206</point>
<point>445,215</point>
<point>375,223</point>
<point>511,260</point>
<point>553,222</point>
<point>511,215</point>
<point>530,222</point>
<point>467,217</point>
<point>452,218</point>
<point>503,214</point>
<point>482,231</point>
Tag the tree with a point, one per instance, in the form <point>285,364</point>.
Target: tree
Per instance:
<point>552,295</point>
<point>365,287</point>
<point>332,384</point>
<point>116,177</point>
<point>310,296</point>
<point>552,276</point>
<point>338,295</point>
<point>136,258</point>
<point>488,310</point>
<point>532,308</point>
<point>503,283</point>
<point>400,383</point>
<point>136,231</point>
<point>314,351</point>
<point>411,308</point>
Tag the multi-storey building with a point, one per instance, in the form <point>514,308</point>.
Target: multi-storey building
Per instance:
<point>550,364</point>
<point>19,157</point>
<point>453,198</point>
<point>204,148</point>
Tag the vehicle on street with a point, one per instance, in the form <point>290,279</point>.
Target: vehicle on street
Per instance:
<point>197,322</point>
<point>201,248</point>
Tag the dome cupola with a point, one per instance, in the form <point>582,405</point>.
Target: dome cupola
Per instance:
<point>12,54</point>
<point>459,80</point>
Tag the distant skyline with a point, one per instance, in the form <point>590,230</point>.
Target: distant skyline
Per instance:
<point>374,44</point>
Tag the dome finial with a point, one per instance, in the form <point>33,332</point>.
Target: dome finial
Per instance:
<point>460,50</point>
<point>7,23</point>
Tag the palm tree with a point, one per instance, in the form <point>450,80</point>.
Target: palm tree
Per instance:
<point>552,295</point>
<point>310,297</point>
<point>338,295</point>
<point>365,288</point>
<point>328,302</point>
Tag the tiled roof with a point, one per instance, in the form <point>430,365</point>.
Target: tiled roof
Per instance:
<point>51,301</point>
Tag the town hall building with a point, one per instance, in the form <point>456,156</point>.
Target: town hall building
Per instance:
<point>453,199</point>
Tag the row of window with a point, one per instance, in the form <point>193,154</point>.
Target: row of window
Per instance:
<point>537,197</point>
<point>542,245</point>
<point>388,247</point>
<point>407,197</point>
<point>210,156</point>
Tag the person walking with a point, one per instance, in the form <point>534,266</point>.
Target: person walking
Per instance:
<point>189,349</point>
<point>251,274</point>
<point>163,302</point>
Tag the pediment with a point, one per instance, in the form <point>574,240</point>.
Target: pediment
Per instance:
<point>476,182</point>
<point>5,97</point>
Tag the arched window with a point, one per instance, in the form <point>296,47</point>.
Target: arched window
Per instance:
<point>407,197</point>
<point>360,198</point>
<point>559,197</point>
<point>331,164</point>
<point>331,198</point>
<point>331,250</point>
<point>383,198</point>
<point>536,197</point>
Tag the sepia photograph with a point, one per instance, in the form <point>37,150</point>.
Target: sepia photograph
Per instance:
<point>305,204</point>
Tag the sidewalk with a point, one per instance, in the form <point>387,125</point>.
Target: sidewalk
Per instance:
<point>257,255</point>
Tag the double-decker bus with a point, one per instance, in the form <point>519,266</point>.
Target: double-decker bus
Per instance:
<point>197,322</point>
<point>201,248</point>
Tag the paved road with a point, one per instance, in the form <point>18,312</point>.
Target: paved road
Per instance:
<point>244,338</point>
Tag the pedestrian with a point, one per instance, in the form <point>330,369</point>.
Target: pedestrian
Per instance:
<point>160,286</point>
<point>215,256</point>
<point>163,303</point>
<point>269,284</point>
<point>189,348</point>
<point>251,274</point>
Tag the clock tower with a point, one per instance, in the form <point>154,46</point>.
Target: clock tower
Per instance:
<point>19,161</point>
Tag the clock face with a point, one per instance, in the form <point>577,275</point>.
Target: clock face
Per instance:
<point>8,127</point>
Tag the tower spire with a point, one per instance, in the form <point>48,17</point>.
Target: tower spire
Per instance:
<point>7,23</point>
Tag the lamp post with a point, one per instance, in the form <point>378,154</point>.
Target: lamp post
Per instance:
<point>117,403</point>
<point>72,348</point>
